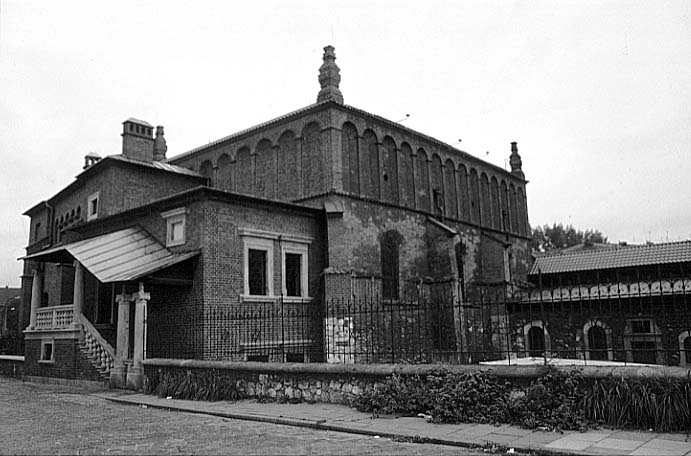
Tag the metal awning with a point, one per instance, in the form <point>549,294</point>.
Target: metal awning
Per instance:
<point>116,257</point>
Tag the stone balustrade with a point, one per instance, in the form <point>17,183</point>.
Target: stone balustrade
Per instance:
<point>54,317</point>
<point>97,348</point>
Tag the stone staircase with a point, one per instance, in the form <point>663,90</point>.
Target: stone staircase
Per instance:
<point>96,350</point>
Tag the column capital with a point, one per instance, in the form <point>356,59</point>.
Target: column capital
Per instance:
<point>141,295</point>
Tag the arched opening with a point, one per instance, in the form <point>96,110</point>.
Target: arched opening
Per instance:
<point>207,170</point>
<point>536,341</point>
<point>597,343</point>
<point>685,349</point>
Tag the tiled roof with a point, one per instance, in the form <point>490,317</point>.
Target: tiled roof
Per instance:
<point>614,258</point>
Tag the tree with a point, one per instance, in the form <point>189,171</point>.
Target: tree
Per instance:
<point>558,236</point>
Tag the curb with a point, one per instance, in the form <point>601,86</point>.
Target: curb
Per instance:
<point>322,426</point>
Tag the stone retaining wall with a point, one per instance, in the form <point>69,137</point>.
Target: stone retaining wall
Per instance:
<point>341,383</point>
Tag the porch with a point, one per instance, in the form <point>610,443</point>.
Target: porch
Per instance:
<point>123,267</point>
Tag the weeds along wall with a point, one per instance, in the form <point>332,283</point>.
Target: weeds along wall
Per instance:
<point>333,383</point>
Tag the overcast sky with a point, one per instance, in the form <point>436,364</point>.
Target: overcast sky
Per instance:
<point>596,93</point>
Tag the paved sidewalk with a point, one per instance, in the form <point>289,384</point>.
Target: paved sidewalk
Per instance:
<point>344,419</point>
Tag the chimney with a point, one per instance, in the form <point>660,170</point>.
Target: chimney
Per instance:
<point>516,162</point>
<point>90,159</point>
<point>160,146</point>
<point>138,140</point>
<point>329,78</point>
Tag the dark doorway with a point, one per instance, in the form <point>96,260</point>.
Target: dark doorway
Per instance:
<point>536,341</point>
<point>597,343</point>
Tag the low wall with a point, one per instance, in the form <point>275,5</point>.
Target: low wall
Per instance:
<point>11,366</point>
<point>340,383</point>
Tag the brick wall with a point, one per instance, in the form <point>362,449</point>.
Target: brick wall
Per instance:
<point>336,148</point>
<point>69,362</point>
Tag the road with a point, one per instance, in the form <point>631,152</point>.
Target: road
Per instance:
<point>47,419</point>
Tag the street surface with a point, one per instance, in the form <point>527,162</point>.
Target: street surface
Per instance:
<point>47,419</point>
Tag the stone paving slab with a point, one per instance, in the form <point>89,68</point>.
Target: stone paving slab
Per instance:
<point>342,418</point>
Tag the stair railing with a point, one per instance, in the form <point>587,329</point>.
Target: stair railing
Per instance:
<point>97,347</point>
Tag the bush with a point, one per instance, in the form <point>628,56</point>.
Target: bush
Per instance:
<point>556,401</point>
<point>447,397</point>
<point>552,401</point>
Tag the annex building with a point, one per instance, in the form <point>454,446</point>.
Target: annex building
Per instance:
<point>263,245</point>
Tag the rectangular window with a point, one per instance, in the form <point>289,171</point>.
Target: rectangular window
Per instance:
<point>258,358</point>
<point>176,220</point>
<point>258,266</point>
<point>641,327</point>
<point>92,206</point>
<point>294,273</point>
<point>257,271</point>
<point>295,357</point>
<point>292,264</point>
<point>47,351</point>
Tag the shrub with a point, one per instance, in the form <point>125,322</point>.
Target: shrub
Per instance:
<point>447,397</point>
<point>551,401</point>
<point>556,400</point>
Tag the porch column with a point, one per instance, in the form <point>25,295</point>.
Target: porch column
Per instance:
<point>135,375</point>
<point>36,296</point>
<point>118,373</point>
<point>78,293</point>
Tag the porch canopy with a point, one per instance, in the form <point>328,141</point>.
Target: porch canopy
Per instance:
<point>119,256</point>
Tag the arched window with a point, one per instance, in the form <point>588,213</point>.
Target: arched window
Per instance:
<point>536,339</point>
<point>685,349</point>
<point>207,169</point>
<point>389,248</point>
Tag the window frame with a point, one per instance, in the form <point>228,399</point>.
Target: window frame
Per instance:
<point>295,248</point>
<point>173,217</point>
<point>44,343</point>
<point>93,197</point>
<point>263,244</point>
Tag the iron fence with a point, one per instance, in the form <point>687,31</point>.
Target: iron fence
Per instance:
<point>618,321</point>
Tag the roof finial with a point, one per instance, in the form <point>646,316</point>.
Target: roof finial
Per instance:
<point>329,78</point>
<point>516,162</point>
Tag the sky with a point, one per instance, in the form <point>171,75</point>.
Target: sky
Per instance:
<point>596,93</point>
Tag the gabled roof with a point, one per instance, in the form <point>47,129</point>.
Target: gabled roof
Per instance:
<point>117,257</point>
<point>623,256</point>
<point>109,160</point>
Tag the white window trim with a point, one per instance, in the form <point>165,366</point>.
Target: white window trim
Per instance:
<point>172,217</point>
<point>45,342</point>
<point>258,244</point>
<point>94,196</point>
<point>302,250</point>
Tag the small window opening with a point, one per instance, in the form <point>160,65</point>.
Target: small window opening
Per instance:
<point>293,274</point>
<point>258,358</point>
<point>295,357</point>
<point>47,351</point>
<point>257,272</point>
